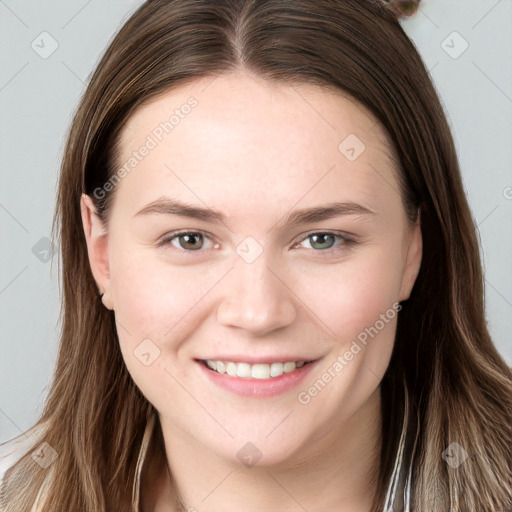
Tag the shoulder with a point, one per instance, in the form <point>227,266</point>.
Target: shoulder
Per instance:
<point>13,450</point>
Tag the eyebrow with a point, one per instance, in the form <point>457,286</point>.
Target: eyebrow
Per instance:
<point>169,206</point>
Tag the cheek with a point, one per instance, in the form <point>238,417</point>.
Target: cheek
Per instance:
<point>351,295</point>
<point>151,295</point>
<point>357,299</point>
<point>156,306</point>
<point>161,302</point>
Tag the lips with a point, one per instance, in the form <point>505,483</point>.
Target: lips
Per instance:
<point>259,386</point>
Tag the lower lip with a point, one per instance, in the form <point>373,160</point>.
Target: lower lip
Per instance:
<point>258,387</point>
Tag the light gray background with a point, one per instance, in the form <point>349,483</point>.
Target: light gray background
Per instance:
<point>38,96</point>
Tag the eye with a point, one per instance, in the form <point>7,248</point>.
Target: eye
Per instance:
<point>185,241</point>
<point>193,241</point>
<point>324,241</point>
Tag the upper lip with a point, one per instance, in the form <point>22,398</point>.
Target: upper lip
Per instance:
<point>260,359</point>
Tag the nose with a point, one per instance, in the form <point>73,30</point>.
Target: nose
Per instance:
<point>257,299</point>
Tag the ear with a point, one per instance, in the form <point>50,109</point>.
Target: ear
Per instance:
<point>412,260</point>
<point>97,248</point>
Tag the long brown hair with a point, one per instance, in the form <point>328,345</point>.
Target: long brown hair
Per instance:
<point>443,359</point>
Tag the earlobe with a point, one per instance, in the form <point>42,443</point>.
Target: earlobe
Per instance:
<point>106,298</point>
<point>413,261</point>
<point>97,248</point>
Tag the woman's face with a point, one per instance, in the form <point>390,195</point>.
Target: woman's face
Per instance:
<point>298,250</point>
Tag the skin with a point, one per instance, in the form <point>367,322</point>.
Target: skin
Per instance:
<point>256,152</point>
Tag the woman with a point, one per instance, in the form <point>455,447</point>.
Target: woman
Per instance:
<point>266,198</point>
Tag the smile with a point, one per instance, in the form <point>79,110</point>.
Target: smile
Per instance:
<point>253,371</point>
<point>258,380</point>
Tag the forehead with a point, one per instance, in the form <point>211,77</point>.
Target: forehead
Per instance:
<point>240,140</point>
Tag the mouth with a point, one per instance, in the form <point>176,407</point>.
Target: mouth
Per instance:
<point>257,380</point>
<point>262,371</point>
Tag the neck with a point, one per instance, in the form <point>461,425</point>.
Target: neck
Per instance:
<point>343,462</point>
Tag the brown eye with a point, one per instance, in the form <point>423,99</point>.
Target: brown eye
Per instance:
<point>185,241</point>
<point>190,241</point>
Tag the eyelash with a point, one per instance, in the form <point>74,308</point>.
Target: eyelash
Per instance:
<point>346,242</point>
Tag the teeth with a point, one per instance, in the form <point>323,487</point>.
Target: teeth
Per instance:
<point>254,371</point>
<point>242,369</point>
<point>276,369</point>
<point>231,369</point>
<point>289,367</point>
